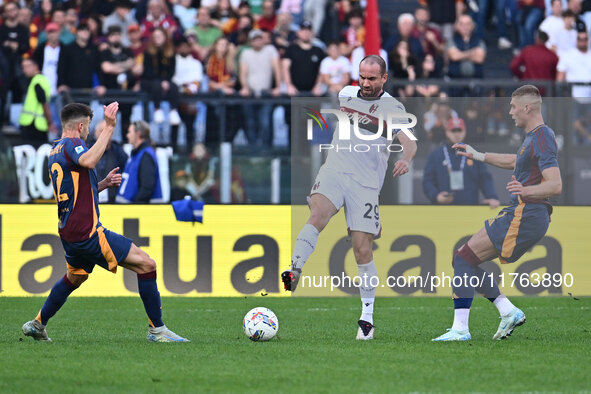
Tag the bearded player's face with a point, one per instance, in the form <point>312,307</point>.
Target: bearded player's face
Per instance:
<point>371,81</point>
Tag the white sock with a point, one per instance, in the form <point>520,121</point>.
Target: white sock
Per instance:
<point>503,305</point>
<point>369,280</point>
<point>461,316</point>
<point>304,246</point>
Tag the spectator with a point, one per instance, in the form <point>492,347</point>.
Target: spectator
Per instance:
<point>259,68</point>
<point>122,17</point>
<point>44,16</point>
<point>36,120</point>
<point>158,70</point>
<point>187,76</point>
<point>575,66</point>
<point>314,12</point>
<point>14,39</point>
<point>221,71</point>
<point>244,25</point>
<point>116,64</point>
<point>78,62</point>
<point>65,36</point>
<point>136,44</point>
<point>114,157</point>
<point>141,177</point>
<point>96,36</point>
<point>206,34</point>
<point>466,52</point>
<point>294,8</point>
<point>335,70</point>
<point>444,14</point>
<point>535,61</point>
<point>71,20</point>
<point>402,67</point>
<point>405,26</point>
<point>553,22</point>
<point>576,7</point>
<point>582,126</point>
<point>428,70</point>
<point>355,33</point>
<point>453,179</point>
<point>305,58</point>
<point>186,13</point>
<point>529,15</point>
<point>429,36</point>
<point>25,18</point>
<point>47,55</point>
<point>283,35</point>
<point>220,67</point>
<point>224,17</point>
<point>268,19</point>
<point>401,62</point>
<point>481,22</point>
<point>564,38</point>
<point>435,120</point>
<point>158,16</point>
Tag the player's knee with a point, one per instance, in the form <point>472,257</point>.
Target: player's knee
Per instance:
<point>318,219</point>
<point>77,280</point>
<point>148,265</point>
<point>363,254</point>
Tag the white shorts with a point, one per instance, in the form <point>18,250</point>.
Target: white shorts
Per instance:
<point>362,210</point>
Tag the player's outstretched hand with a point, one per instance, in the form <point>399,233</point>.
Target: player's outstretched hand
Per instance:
<point>401,167</point>
<point>466,150</point>
<point>461,149</point>
<point>111,114</point>
<point>515,187</point>
<point>113,179</point>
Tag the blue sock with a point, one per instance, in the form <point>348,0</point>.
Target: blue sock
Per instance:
<point>148,289</point>
<point>465,264</point>
<point>57,297</point>
<point>488,288</point>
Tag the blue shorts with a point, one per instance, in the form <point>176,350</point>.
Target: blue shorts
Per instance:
<point>516,229</point>
<point>104,248</point>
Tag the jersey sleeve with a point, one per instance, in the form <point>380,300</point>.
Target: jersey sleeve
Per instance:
<point>402,119</point>
<point>74,148</point>
<point>545,149</point>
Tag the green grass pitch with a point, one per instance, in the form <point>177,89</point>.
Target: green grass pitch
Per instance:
<point>99,345</point>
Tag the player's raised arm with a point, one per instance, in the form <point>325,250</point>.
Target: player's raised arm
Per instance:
<point>501,160</point>
<point>409,149</point>
<point>94,154</point>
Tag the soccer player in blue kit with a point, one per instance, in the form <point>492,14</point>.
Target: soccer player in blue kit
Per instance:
<point>86,242</point>
<point>517,228</point>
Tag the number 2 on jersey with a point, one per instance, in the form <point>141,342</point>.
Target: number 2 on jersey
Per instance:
<point>373,208</point>
<point>58,183</point>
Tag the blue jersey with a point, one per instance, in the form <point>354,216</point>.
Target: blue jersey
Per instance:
<point>130,183</point>
<point>537,152</point>
<point>518,227</point>
<point>75,189</point>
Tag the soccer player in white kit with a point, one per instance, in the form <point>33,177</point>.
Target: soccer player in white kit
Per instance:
<point>354,180</point>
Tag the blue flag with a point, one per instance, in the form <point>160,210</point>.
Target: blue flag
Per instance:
<point>188,210</point>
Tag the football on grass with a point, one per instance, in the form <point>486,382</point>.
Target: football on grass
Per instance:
<point>260,324</point>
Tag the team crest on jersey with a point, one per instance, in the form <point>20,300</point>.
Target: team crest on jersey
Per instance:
<point>373,108</point>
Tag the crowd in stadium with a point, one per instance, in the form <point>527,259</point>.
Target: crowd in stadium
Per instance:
<point>277,47</point>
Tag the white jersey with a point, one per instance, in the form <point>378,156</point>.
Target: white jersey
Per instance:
<point>350,156</point>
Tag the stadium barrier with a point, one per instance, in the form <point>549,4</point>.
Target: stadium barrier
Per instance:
<point>241,250</point>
